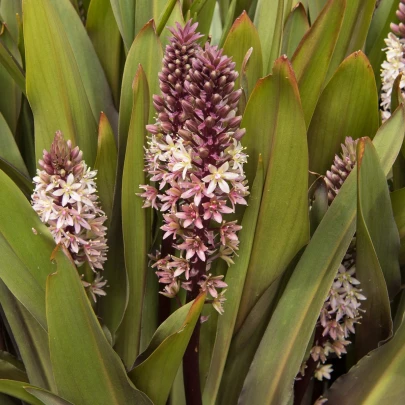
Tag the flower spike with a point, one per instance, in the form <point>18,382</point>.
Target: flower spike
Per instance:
<point>341,310</point>
<point>65,199</point>
<point>394,63</point>
<point>195,157</point>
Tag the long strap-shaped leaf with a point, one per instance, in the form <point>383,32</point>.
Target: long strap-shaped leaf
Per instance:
<point>135,223</point>
<point>352,94</point>
<point>55,88</point>
<point>235,279</point>
<point>353,33</point>
<point>377,379</point>
<point>165,352</point>
<point>313,55</point>
<point>91,72</point>
<point>279,356</point>
<point>269,21</point>
<point>25,246</point>
<point>283,224</point>
<point>377,247</point>
<point>86,368</point>
<point>31,394</point>
<point>31,340</point>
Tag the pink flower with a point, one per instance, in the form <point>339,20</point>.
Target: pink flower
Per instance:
<point>170,198</point>
<point>171,226</point>
<point>218,177</point>
<point>150,195</point>
<point>228,232</point>
<point>193,246</point>
<point>210,284</point>
<point>181,266</point>
<point>195,188</point>
<point>190,216</point>
<point>68,189</point>
<point>214,208</point>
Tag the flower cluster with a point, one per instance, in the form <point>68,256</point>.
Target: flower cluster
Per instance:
<point>394,63</point>
<point>195,157</point>
<point>341,168</point>
<point>341,309</point>
<point>390,69</point>
<point>339,314</point>
<point>65,199</point>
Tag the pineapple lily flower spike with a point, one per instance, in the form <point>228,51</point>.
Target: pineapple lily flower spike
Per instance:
<point>195,158</point>
<point>65,199</point>
<point>394,63</point>
<point>341,309</point>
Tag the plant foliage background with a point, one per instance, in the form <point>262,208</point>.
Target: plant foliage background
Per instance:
<point>310,77</point>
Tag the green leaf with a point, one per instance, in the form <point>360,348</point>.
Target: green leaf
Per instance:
<point>106,164</point>
<point>30,394</point>
<point>48,398</point>
<point>11,161</point>
<point>396,96</point>
<point>312,57</point>
<point>11,368</point>
<point>124,13</point>
<point>175,17</point>
<point>353,32</point>
<point>9,149</point>
<point>242,37</point>
<point>164,16</point>
<point>166,351</point>
<point>90,69</point>
<point>10,100</point>
<point>352,94</point>
<point>315,7</point>
<point>228,22</point>
<point>285,341</point>
<point>377,245</point>
<point>283,219</point>
<point>87,370</point>
<point>246,340</point>
<point>379,28</point>
<point>31,340</point>
<point>105,36</point>
<point>145,11</point>
<point>235,279</point>
<point>319,204</point>
<point>380,222</point>
<point>269,21</point>
<point>398,170</point>
<point>54,86</point>
<point>17,389</point>
<point>398,207</point>
<point>147,51</point>
<point>135,222</point>
<point>376,379</point>
<point>296,26</point>
<point>22,250</point>
<point>204,14</point>
<point>9,11</point>
<point>12,66</point>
